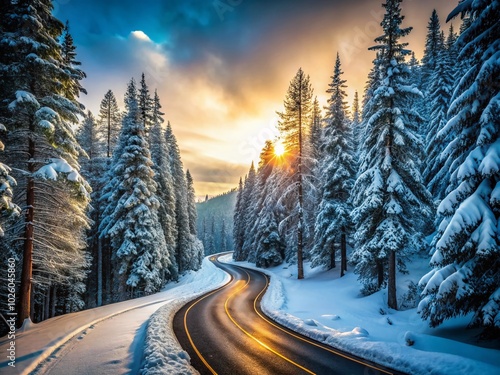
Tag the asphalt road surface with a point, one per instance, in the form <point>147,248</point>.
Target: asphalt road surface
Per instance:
<point>225,332</point>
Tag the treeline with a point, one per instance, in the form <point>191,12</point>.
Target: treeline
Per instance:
<point>366,186</point>
<point>215,222</point>
<point>94,216</point>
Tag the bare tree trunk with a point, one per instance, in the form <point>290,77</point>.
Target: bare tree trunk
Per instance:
<point>332,256</point>
<point>27,270</point>
<point>380,273</point>
<point>300,261</point>
<point>343,253</point>
<point>391,293</point>
<point>99,272</point>
<point>53,301</point>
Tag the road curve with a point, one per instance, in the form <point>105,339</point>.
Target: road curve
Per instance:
<point>226,332</point>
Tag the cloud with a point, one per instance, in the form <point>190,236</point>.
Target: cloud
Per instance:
<point>221,78</point>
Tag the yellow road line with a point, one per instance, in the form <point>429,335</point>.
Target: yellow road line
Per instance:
<point>306,340</point>
<point>253,337</point>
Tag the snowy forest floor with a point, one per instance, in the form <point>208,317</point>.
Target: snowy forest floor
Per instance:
<point>330,309</point>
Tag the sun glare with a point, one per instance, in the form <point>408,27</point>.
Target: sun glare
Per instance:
<point>279,149</point>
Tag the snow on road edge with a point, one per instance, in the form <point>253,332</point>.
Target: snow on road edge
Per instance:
<point>162,352</point>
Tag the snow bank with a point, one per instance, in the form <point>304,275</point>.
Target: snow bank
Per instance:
<point>163,353</point>
<point>329,309</point>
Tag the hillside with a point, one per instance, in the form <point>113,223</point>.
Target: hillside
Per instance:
<point>215,222</point>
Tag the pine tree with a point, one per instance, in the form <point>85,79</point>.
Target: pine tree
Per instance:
<point>433,47</point>
<point>356,123</point>
<point>109,121</point>
<point>71,64</point>
<point>38,104</point>
<point>248,211</point>
<point>389,198</point>
<point>223,236</point>
<point>337,172</point>
<point>184,257</point>
<point>133,226</point>
<point>466,264</point>
<point>7,207</point>
<point>145,105</point>
<point>160,156</point>
<point>292,126</point>
<point>191,196</point>
<point>441,89</point>
<point>238,228</point>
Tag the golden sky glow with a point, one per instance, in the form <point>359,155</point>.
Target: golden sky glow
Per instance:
<point>222,79</point>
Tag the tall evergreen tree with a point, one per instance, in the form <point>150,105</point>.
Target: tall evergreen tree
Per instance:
<point>133,226</point>
<point>238,229</point>
<point>433,47</point>
<point>466,264</point>
<point>292,126</point>
<point>7,207</point>
<point>38,104</point>
<point>160,156</point>
<point>389,198</point>
<point>184,243</point>
<point>356,123</point>
<point>248,210</point>
<point>435,175</point>
<point>109,121</point>
<point>337,172</point>
<point>146,105</point>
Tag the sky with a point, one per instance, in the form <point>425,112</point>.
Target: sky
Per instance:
<point>222,67</point>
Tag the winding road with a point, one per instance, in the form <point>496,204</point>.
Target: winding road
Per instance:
<point>226,332</point>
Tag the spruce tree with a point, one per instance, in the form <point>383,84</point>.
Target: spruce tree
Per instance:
<point>160,156</point>
<point>391,203</point>
<point>110,122</point>
<point>238,228</point>
<point>466,264</point>
<point>7,207</point>
<point>435,174</point>
<point>138,242</point>
<point>38,104</point>
<point>337,172</point>
<point>183,251</point>
<point>292,126</point>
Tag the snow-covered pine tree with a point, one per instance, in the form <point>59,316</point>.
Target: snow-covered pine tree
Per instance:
<point>7,207</point>
<point>390,200</point>
<point>466,263</point>
<point>132,221</point>
<point>92,168</point>
<point>197,250</point>
<point>68,56</point>
<point>160,157</point>
<point>435,174</point>
<point>38,104</point>
<point>238,231</point>
<point>292,126</point>
<point>223,237</point>
<point>336,173</point>
<point>110,121</point>
<point>433,48</point>
<point>248,211</point>
<point>356,123</point>
<point>183,251</point>
<point>145,105</point>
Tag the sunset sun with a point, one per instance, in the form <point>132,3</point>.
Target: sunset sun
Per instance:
<point>279,149</point>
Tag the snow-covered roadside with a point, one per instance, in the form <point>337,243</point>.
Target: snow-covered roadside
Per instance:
<point>163,353</point>
<point>328,308</point>
<point>38,341</point>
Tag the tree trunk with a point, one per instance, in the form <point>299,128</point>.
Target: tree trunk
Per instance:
<point>53,301</point>
<point>380,273</point>
<point>99,272</point>
<point>27,270</point>
<point>300,262</point>
<point>332,256</point>
<point>391,295</point>
<point>343,253</point>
